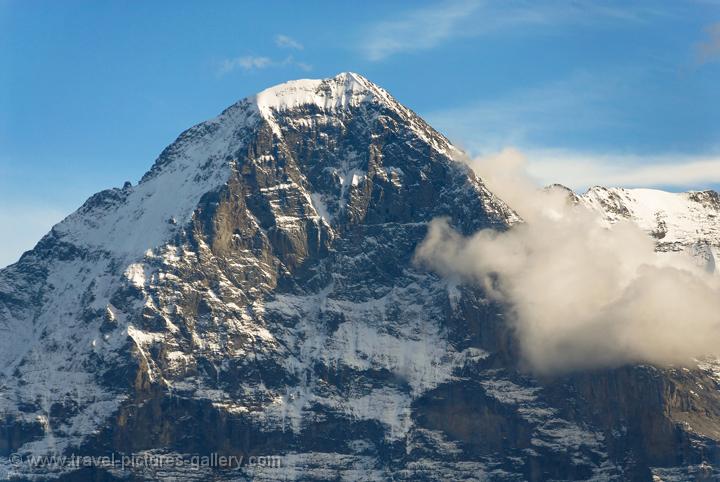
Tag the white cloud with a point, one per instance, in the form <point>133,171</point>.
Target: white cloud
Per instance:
<point>417,30</point>
<point>283,41</point>
<point>24,226</point>
<point>428,27</point>
<point>252,62</point>
<point>249,63</point>
<point>580,295</point>
<point>580,170</point>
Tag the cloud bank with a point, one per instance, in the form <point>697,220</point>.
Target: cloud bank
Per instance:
<point>581,295</point>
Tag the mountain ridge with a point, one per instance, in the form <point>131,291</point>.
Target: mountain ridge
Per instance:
<point>677,221</point>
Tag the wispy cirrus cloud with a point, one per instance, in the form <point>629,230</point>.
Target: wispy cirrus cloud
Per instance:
<point>580,170</point>
<point>709,49</point>
<point>247,62</point>
<point>285,42</point>
<point>428,27</point>
<point>252,63</point>
<point>416,30</point>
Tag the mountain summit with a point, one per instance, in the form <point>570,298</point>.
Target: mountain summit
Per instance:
<point>255,295</point>
<point>340,92</point>
<point>131,220</point>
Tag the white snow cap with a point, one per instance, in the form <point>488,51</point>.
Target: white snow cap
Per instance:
<point>343,90</point>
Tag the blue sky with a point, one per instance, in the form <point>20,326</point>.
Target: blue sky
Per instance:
<point>590,92</point>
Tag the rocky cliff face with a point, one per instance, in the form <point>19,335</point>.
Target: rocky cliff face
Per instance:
<point>255,295</point>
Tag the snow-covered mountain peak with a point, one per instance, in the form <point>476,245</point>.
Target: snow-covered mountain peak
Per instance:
<point>319,100</point>
<point>343,90</point>
<point>201,160</point>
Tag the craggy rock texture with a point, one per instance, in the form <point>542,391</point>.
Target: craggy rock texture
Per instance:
<point>255,294</point>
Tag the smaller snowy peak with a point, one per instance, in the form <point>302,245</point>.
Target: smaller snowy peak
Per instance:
<point>563,190</point>
<point>344,90</point>
<point>675,219</point>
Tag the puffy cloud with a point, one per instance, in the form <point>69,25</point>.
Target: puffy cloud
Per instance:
<point>580,295</point>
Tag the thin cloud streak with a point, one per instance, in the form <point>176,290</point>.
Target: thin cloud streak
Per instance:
<point>580,170</point>
<point>285,42</point>
<point>428,27</point>
<point>252,63</point>
<point>418,30</point>
<point>245,63</point>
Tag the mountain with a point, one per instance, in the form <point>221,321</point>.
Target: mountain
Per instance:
<point>678,221</point>
<point>255,295</point>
